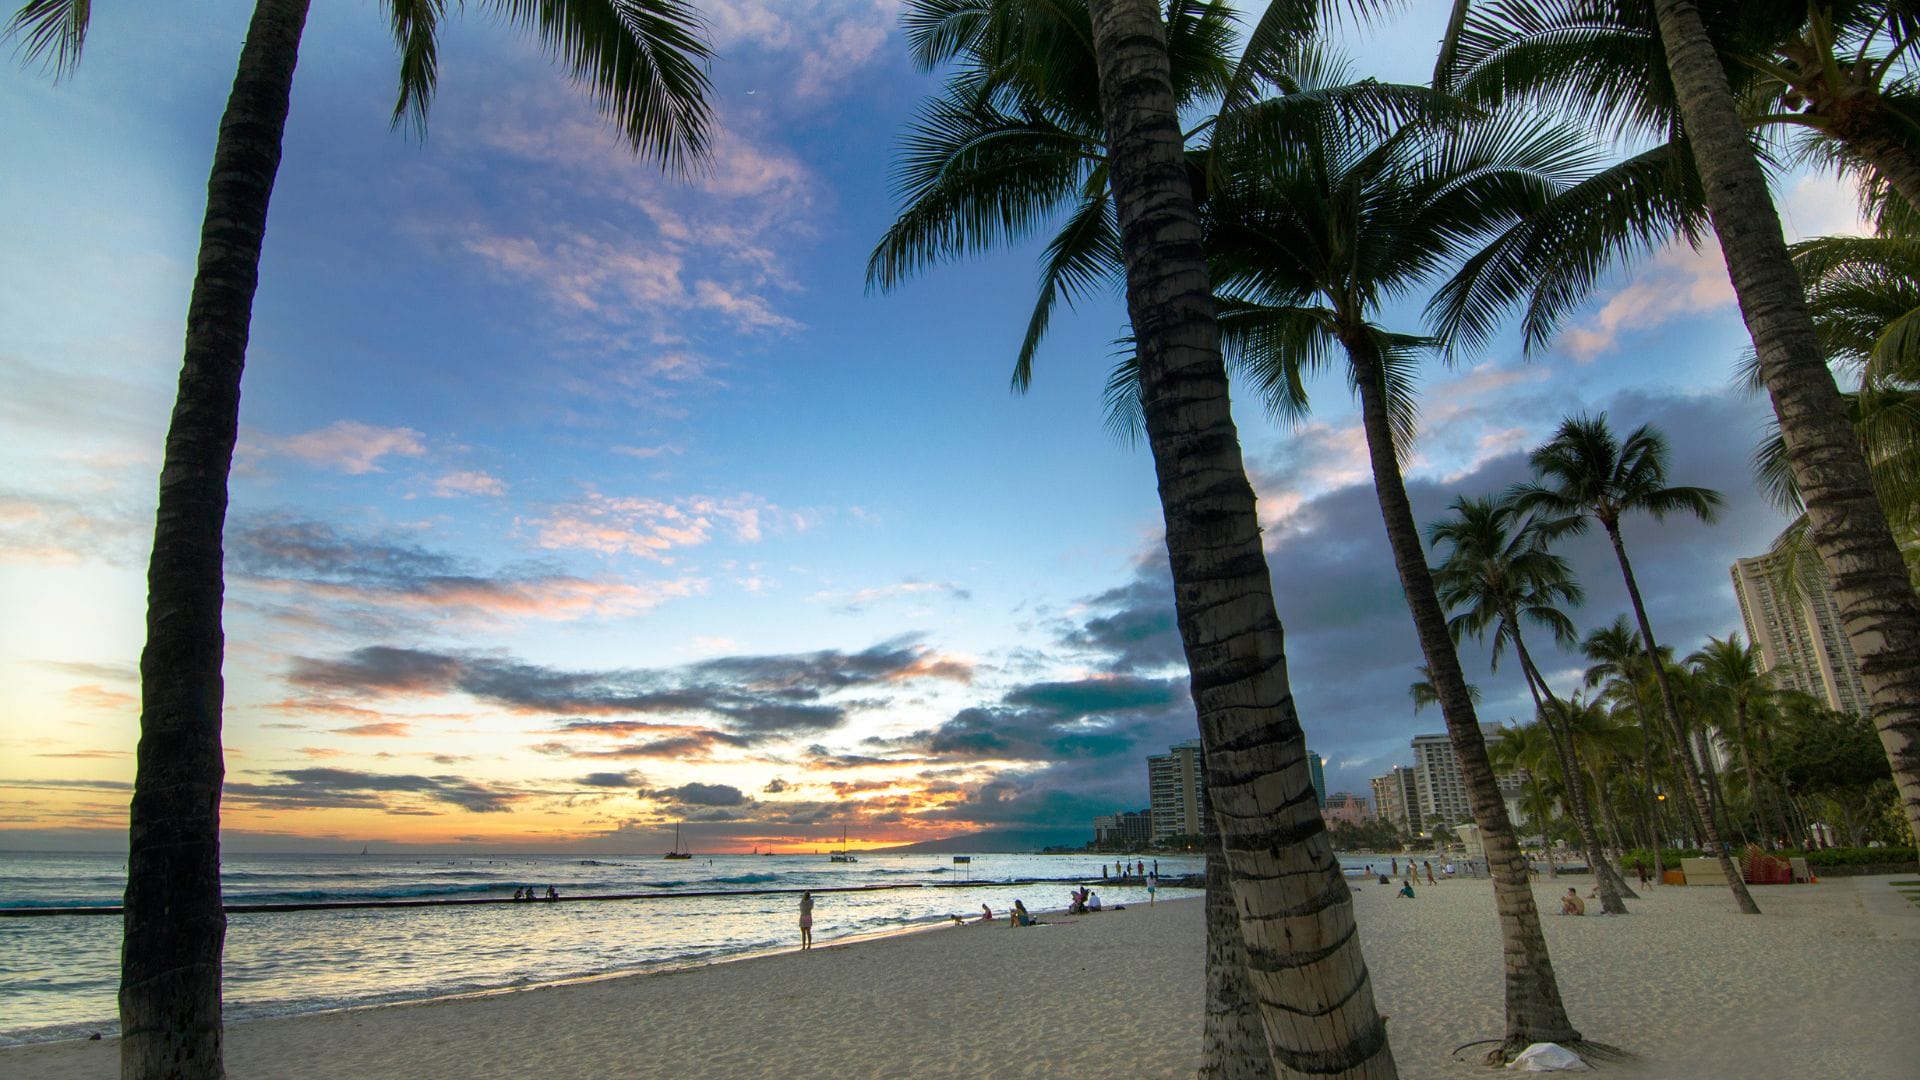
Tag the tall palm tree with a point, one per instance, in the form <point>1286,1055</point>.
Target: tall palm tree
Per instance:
<point>1498,574</point>
<point>1643,209</point>
<point>1032,61</point>
<point>1586,473</point>
<point>1344,198</point>
<point>643,61</point>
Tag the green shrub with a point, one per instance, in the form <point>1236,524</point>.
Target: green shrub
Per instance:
<point>1856,856</point>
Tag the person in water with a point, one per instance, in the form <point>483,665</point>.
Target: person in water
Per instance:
<point>806,920</point>
<point>552,894</point>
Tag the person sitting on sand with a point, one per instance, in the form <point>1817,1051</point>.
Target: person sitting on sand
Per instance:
<point>986,913</point>
<point>1093,902</point>
<point>1571,904</point>
<point>1406,889</point>
<point>1019,916</point>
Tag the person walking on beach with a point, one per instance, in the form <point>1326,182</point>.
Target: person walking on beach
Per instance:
<point>1428,863</point>
<point>806,920</point>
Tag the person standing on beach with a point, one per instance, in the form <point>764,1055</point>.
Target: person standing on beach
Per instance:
<point>1428,863</point>
<point>1153,885</point>
<point>806,920</point>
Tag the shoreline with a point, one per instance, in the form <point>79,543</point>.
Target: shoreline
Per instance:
<point>1821,985</point>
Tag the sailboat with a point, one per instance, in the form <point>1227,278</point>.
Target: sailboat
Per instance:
<point>843,855</point>
<point>678,851</point>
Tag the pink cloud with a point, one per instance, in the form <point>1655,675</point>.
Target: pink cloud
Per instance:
<point>349,446</point>
<point>455,484</point>
<point>1676,282</point>
<point>650,528</point>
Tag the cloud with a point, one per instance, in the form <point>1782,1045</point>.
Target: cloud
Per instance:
<point>750,697</point>
<point>456,484</point>
<point>59,530</point>
<point>776,786</point>
<point>391,729</point>
<point>1678,281</point>
<point>317,561</point>
<point>632,778</point>
<point>862,599</point>
<point>324,788</point>
<point>700,795</point>
<point>651,528</point>
<point>346,445</point>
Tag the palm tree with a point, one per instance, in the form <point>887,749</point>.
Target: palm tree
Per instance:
<point>1585,473</point>
<point>1339,197</point>
<point>1619,662</point>
<point>643,63</point>
<point>1644,207</point>
<point>1497,573</point>
<point>1532,751</point>
<point>1731,668</point>
<point>1119,133</point>
<point>1838,74</point>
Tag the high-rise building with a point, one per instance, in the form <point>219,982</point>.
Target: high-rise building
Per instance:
<point>1397,796</point>
<point>1177,786</point>
<point>1441,789</point>
<point>1801,639</point>
<point>1129,828</point>
<point>1317,769</point>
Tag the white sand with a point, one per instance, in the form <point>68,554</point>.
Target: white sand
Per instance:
<point>1825,984</point>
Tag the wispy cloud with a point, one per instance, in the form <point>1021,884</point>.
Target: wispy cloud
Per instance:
<point>317,561</point>
<point>651,528</point>
<point>348,446</point>
<point>455,484</point>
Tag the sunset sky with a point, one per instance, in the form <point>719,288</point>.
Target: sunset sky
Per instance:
<point>572,501</point>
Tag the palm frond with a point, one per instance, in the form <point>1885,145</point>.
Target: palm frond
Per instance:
<point>52,33</point>
<point>1084,254</point>
<point>644,63</point>
<point>416,33</point>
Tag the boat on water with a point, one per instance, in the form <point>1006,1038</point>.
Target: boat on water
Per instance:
<point>679,851</point>
<point>843,855</point>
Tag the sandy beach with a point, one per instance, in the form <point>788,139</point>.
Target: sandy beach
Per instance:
<point>1825,984</point>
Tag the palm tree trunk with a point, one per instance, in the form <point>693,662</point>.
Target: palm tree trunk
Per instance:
<point>1672,708</point>
<point>1603,875</point>
<point>174,925</point>
<point>1599,797</point>
<point>1296,915</point>
<point>1233,1045</point>
<point>1646,788</point>
<point>1535,1012</point>
<point>1876,599</point>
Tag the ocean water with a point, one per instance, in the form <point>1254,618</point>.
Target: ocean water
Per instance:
<point>59,973</point>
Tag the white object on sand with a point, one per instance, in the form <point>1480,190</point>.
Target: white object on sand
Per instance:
<point>1547,1057</point>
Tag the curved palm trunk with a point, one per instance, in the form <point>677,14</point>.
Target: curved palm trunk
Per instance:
<point>174,924</point>
<point>1671,707</point>
<point>1603,875</point>
<point>1233,1045</point>
<point>1535,1012</point>
<point>1296,915</point>
<point>1876,599</point>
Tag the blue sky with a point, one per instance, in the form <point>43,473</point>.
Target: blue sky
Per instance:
<point>572,500</point>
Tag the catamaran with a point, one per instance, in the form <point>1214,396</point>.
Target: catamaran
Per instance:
<point>843,855</point>
<point>678,852</point>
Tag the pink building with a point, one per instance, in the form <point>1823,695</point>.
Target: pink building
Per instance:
<point>1345,806</point>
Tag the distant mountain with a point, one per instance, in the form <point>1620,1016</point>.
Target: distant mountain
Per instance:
<point>999,841</point>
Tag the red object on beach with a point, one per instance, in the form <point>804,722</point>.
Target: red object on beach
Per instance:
<point>1759,868</point>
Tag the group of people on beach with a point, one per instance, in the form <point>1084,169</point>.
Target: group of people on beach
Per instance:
<point>528,893</point>
<point>1121,871</point>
